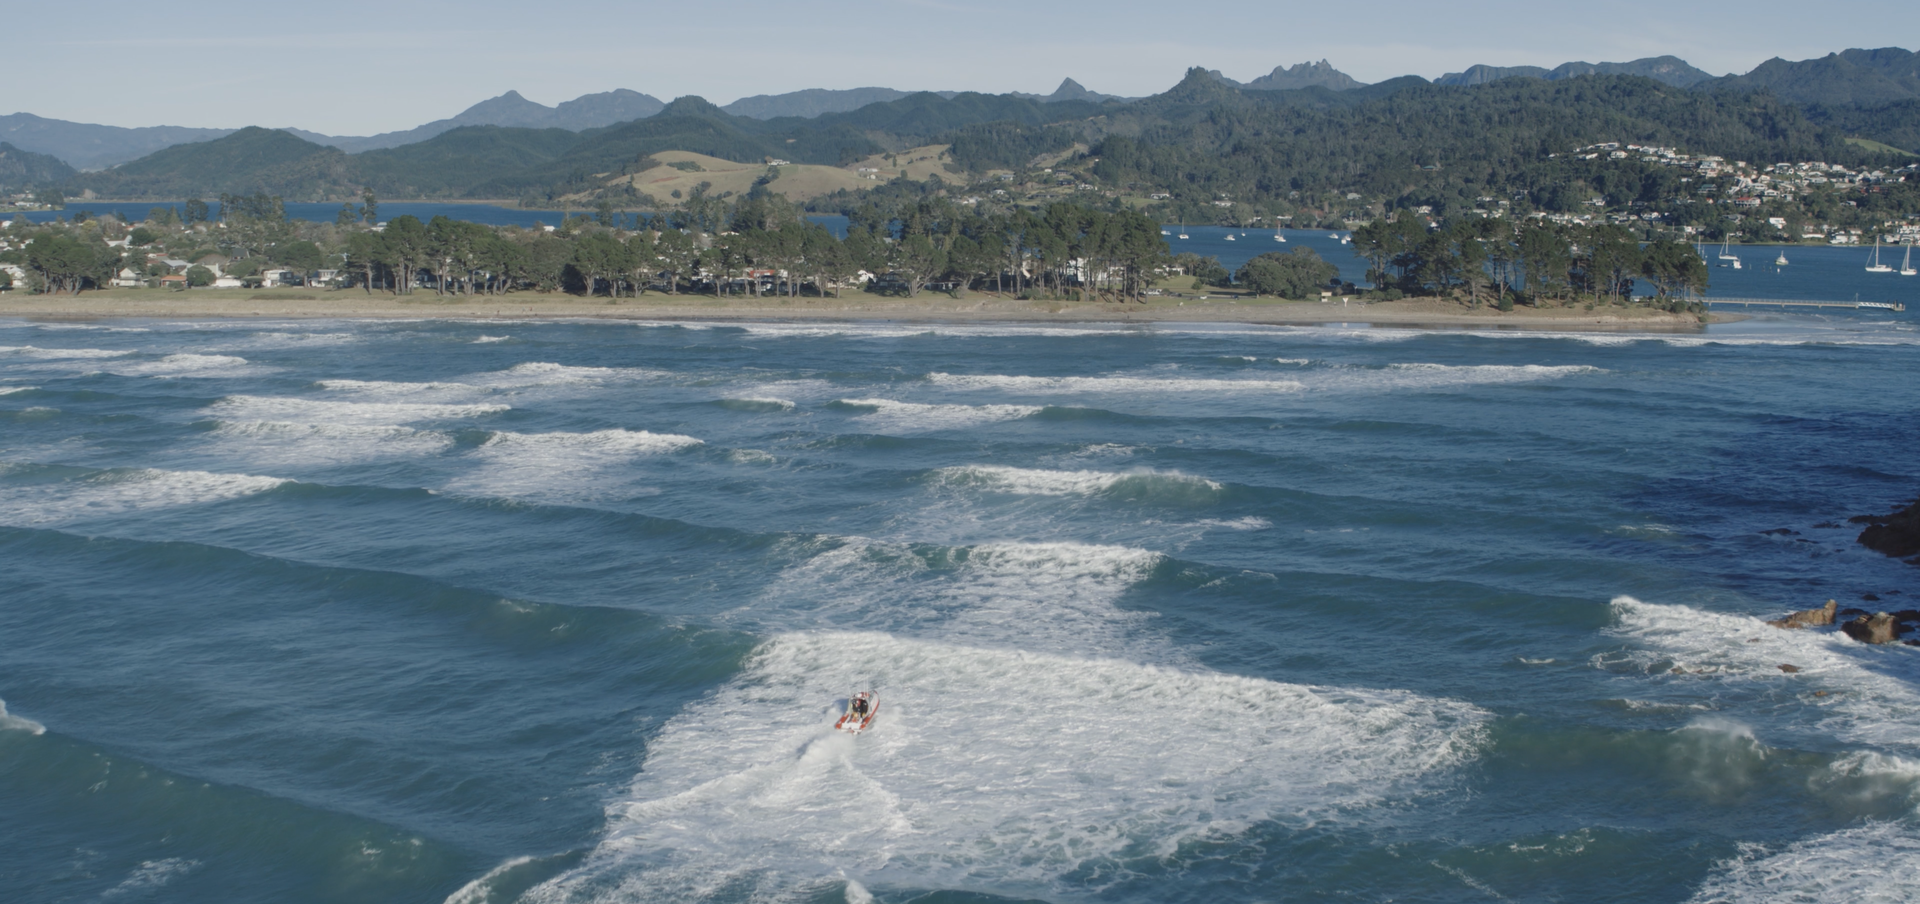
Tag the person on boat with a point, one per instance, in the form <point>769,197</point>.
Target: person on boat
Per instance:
<point>860,706</point>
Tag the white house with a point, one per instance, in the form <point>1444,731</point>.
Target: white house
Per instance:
<point>128,278</point>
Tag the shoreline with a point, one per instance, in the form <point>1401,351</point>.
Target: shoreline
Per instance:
<point>329,304</point>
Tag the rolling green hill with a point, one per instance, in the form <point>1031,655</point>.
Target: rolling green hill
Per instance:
<point>22,170</point>
<point>450,164</point>
<point>250,161</point>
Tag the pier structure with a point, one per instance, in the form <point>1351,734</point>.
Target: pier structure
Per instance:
<point>1805,303</point>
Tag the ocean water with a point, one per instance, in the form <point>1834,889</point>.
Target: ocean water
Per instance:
<point>334,611</point>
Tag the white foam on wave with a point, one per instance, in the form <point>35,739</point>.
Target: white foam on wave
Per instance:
<point>286,340</point>
<point>562,465</point>
<point>483,340</point>
<point>58,354</point>
<point>183,365</point>
<point>151,874</point>
<point>1057,597</point>
<point>318,411</point>
<point>994,770</point>
<point>910,330</point>
<point>1109,384</point>
<point>758,403</point>
<point>1872,697</point>
<point>1393,377</point>
<point>390,388</point>
<point>1433,376</point>
<point>11,722</point>
<point>1036,736</point>
<point>110,493</point>
<point>282,444</point>
<point>1874,863</point>
<point>10,390</point>
<point>1250,522</point>
<point>888,414</point>
<point>89,327</point>
<point>545,373</point>
<point>1035,482</point>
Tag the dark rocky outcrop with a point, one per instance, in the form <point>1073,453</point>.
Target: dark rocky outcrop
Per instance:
<point>1808,618</point>
<point>1789,668</point>
<point>1896,535</point>
<point>1877,628</point>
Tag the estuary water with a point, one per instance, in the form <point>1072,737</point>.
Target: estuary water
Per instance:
<point>332,611</point>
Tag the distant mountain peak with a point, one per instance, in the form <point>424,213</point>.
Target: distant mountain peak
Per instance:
<point>1305,75</point>
<point>1669,69</point>
<point>691,105</point>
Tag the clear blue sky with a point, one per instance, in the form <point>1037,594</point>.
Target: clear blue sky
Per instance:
<point>356,67</point>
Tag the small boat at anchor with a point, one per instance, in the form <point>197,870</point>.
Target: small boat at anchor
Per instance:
<point>1876,266</point>
<point>862,709</point>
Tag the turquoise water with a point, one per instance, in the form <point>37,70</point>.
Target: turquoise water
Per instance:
<point>331,611</point>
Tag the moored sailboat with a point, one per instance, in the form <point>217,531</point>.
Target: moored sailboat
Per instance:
<point>1876,266</point>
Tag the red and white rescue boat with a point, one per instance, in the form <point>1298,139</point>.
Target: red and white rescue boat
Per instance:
<point>862,709</point>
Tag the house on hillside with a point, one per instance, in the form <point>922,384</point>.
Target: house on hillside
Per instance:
<point>128,278</point>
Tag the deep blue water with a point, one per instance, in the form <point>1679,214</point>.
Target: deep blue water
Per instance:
<point>329,611</point>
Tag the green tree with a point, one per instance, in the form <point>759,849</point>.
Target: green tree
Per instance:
<point>917,260</point>
<point>406,247</point>
<point>300,256</point>
<point>1296,274</point>
<point>67,264</point>
<point>369,207</point>
<point>199,277</point>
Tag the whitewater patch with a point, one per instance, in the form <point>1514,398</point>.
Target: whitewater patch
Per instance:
<point>1054,597</point>
<point>543,373</point>
<point>109,493</point>
<point>151,874</point>
<point>568,466</point>
<point>1035,482</point>
<point>10,722</point>
<point>1872,698</point>
<point>1109,384</point>
<point>887,414</point>
<point>184,365</point>
<point>757,404</point>
<point>1250,522</point>
<point>1875,863</point>
<point>318,411</point>
<point>483,340</point>
<point>398,389</point>
<point>29,352</point>
<point>1392,377</point>
<point>281,444</point>
<point>10,390</point>
<point>286,340</point>
<point>748,795</point>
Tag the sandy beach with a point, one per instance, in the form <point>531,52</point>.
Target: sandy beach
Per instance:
<point>298,303</point>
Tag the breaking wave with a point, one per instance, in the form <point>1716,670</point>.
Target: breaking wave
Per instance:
<point>1154,485</point>
<point>316,411</point>
<point>891,415</point>
<point>108,493</point>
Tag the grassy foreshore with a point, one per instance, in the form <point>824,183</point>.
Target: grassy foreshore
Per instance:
<point>295,303</point>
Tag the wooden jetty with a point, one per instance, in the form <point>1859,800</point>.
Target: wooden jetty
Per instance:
<point>1800,303</point>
